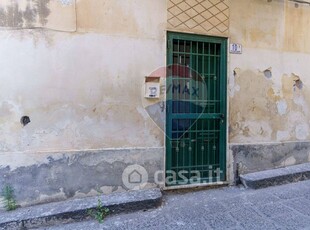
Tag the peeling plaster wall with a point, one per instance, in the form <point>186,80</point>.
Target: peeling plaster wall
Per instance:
<point>48,177</point>
<point>82,88</point>
<point>258,157</point>
<point>268,83</point>
<point>269,87</point>
<point>78,93</point>
<point>82,91</point>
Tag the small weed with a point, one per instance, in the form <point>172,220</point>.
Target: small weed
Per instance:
<point>100,213</point>
<point>9,198</point>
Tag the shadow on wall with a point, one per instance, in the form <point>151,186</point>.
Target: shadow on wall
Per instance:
<point>33,14</point>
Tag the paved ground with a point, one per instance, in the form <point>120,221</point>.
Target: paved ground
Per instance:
<point>281,207</point>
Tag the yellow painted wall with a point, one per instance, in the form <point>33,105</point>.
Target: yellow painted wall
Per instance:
<point>82,87</point>
<point>81,90</point>
<point>274,36</point>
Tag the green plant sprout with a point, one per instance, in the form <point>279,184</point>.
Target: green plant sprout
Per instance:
<point>9,198</point>
<point>100,213</point>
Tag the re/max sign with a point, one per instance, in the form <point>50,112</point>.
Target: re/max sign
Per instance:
<point>183,89</point>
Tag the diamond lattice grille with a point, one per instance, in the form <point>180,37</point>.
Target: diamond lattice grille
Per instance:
<point>206,15</point>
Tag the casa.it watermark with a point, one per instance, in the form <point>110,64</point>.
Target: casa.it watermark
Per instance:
<point>136,177</point>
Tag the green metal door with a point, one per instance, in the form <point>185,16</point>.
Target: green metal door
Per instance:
<point>196,109</point>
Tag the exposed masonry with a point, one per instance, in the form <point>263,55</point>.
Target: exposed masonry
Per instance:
<point>79,174</point>
<point>259,157</point>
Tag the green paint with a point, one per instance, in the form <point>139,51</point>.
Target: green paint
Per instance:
<point>196,109</point>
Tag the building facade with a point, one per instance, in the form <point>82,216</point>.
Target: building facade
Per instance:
<point>76,111</point>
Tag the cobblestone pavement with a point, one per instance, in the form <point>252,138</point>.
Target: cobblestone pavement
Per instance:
<point>281,207</point>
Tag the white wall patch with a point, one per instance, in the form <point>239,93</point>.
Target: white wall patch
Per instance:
<point>282,107</point>
<point>66,2</point>
<point>302,131</point>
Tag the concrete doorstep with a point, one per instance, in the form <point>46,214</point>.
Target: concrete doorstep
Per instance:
<point>275,177</point>
<point>78,209</point>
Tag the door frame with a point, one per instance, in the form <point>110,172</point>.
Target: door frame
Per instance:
<point>224,157</point>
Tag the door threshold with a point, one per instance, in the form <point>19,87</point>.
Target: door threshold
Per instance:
<point>213,184</point>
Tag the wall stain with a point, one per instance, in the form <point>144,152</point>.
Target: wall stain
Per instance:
<point>261,112</point>
<point>29,16</point>
<point>296,34</point>
<point>12,16</point>
<point>98,15</point>
<point>77,174</point>
<point>247,112</point>
<point>258,157</point>
<point>42,10</point>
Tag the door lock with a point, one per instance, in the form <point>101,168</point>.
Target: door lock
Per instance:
<point>222,118</point>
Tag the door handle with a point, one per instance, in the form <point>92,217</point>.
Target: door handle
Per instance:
<point>222,117</point>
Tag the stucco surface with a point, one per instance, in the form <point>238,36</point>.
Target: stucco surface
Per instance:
<point>259,157</point>
<point>78,174</point>
<point>268,83</point>
<point>82,89</point>
<point>78,74</point>
<point>52,14</point>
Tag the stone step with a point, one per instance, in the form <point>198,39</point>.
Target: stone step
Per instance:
<point>78,209</point>
<point>275,177</point>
